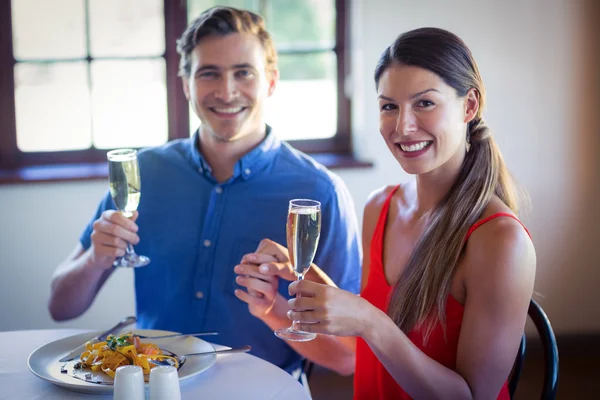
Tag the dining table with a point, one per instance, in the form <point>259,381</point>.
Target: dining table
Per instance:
<point>232,376</point>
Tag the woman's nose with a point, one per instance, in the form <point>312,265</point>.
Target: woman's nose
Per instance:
<point>406,123</point>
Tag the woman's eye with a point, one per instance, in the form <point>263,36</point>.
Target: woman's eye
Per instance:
<point>424,103</point>
<point>388,107</point>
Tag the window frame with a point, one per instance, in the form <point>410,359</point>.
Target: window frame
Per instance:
<point>16,165</point>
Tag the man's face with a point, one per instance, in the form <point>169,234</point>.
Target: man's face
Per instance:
<point>228,86</point>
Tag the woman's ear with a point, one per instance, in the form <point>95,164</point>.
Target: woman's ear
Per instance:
<point>471,105</point>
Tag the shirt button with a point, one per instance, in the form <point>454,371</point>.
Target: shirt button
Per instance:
<point>199,295</point>
<point>200,170</point>
<point>207,243</point>
<point>247,171</point>
<point>219,190</point>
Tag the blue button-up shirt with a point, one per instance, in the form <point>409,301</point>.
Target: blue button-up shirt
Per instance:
<point>195,230</point>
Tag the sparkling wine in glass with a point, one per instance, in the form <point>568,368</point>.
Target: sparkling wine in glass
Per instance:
<point>125,189</point>
<point>303,231</point>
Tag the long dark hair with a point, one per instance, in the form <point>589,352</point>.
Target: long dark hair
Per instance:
<point>419,297</point>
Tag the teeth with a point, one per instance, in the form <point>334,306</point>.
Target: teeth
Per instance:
<point>414,147</point>
<point>230,110</point>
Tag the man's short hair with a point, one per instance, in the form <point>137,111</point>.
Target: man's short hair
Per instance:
<point>222,21</point>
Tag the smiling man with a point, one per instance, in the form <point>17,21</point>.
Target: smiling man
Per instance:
<point>210,199</point>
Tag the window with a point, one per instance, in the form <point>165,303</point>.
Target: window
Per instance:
<point>79,77</point>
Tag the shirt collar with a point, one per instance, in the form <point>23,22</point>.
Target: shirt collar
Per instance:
<point>252,162</point>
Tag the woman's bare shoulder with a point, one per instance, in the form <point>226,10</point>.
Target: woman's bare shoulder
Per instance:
<point>377,198</point>
<point>499,242</point>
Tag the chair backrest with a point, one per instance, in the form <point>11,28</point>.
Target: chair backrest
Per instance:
<point>544,329</point>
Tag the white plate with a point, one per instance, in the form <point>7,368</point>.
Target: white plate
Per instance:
<point>44,363</point>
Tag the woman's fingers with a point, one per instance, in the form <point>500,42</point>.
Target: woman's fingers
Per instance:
<point>305,317</point>
<point>305,288</point>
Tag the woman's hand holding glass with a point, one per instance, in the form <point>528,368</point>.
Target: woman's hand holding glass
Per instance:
<point>329,310</point>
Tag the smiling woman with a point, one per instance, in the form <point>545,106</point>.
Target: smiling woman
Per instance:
<point>448,269</point>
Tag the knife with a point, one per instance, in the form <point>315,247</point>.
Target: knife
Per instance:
<point>76,352</point>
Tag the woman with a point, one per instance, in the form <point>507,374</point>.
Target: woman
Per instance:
<point>448,269</point>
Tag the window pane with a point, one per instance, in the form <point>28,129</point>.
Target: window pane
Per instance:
<point>304,23</point>
<point>52,106</point>
<point>304,104</point>
<point>129,101</point>
<point>196,7</point>
<point>48,29</point>
<point>127,28</point>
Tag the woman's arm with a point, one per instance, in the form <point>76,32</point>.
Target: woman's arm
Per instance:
<point>270,261</point>
<point>499,275</point>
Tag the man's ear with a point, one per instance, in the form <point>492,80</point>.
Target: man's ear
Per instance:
<point>471,105</point>
<point>273,78</point>
<point>186,87</point>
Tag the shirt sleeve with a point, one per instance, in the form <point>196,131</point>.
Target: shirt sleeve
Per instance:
<point>105,204</point>
<point>339,253</point>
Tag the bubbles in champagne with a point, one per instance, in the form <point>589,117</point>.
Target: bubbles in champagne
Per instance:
<point>303,231</point>
<point>124,184</point>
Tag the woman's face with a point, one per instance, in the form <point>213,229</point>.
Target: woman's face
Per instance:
<point>422,120</point>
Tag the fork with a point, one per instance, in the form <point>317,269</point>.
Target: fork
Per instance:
<point>175,335</point>
<point>181,359</point>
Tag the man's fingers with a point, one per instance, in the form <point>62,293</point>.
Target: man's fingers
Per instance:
<point>119,219</point>
<point>259,258</point>
<point>101,238</point>
<point>255,293</point>
<point>248,298</point>
<point>275,268</point>
<point>256,285</point>
<point>110,228</point>
<point>251,270</point>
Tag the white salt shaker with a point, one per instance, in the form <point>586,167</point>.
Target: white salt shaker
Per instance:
<point>129,383</point>
<point>164,384</point>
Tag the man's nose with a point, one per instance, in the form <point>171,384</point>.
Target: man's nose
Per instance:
<point>227,89</point>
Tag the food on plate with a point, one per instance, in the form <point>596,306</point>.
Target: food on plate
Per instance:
<point>126,349</point>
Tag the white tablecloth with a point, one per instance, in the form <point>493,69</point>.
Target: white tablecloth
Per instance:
<point>234,376</point>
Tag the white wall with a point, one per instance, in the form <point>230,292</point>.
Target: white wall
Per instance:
<point>524,53</point>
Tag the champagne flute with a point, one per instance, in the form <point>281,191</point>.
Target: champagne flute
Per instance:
<point>303,230</point>
<point>125,189</point>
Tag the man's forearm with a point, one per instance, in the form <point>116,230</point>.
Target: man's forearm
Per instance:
<point>74,287</point>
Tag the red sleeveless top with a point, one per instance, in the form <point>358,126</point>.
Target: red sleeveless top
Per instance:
<point>371,379</point>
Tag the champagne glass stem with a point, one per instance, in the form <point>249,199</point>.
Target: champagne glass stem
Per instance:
<point>299,278</point>
<point>129,250</point>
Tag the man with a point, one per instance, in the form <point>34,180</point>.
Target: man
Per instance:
<point>210,199</point>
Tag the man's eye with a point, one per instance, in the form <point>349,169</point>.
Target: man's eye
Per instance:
<point>244,73</point>
<point>207,75</point>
